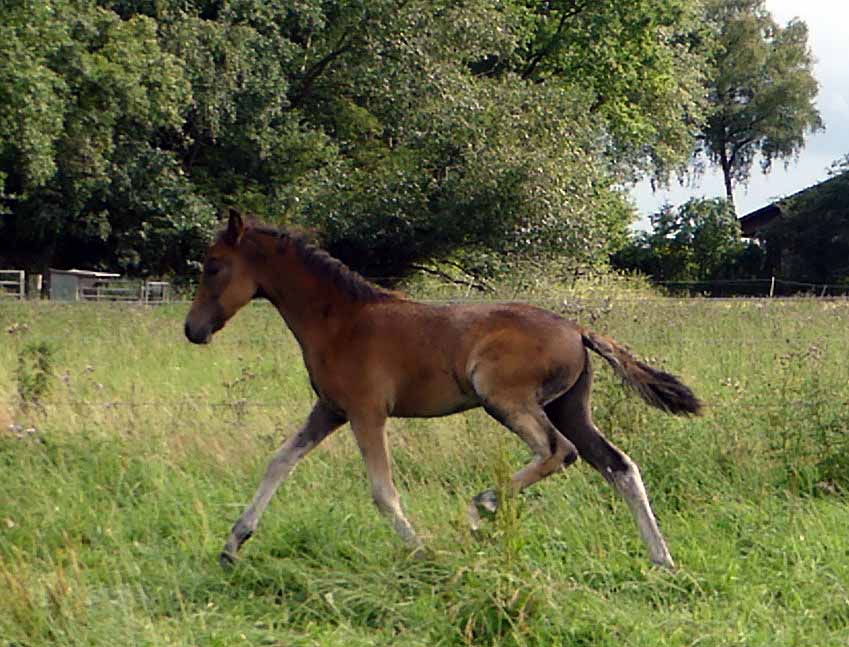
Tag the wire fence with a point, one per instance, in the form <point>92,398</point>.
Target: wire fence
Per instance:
<point>241,406</point>
<point>771,287</point>
<point>563,302</point>
<point>173,402</point>
<point>158,292</point>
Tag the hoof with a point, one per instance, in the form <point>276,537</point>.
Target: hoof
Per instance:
<point>487,503</point>
<point>664,561</point>
<point>474,518</point>
<point>421,553</point>
<point>226,560</point>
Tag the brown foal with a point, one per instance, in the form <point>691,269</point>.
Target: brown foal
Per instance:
<point>372,354</point>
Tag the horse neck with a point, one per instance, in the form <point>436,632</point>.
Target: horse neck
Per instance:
<point>311,304</point>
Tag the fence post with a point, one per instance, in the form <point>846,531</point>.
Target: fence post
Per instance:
<point>34,283</point>
<point>22,288</point>
<point>772,287</point>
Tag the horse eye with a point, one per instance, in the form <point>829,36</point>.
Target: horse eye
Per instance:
<point>212,269</point>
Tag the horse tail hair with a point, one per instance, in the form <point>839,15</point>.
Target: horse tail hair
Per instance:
<point>657,388</point>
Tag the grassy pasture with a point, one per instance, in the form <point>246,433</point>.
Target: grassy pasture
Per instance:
<point>118,486</point>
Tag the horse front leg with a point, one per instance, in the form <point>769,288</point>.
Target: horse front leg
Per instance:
<point>370,434</point>
<point>321,422</point>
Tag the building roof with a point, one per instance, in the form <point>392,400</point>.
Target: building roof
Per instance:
<point>759,218</point>
<point>87,274</point>
<point>751,222</point>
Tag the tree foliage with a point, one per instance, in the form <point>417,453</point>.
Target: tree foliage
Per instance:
<point>401,132</point>
<point>87,99</point>
<point>698,241</point>
<point>642,63</point>
<point>761,90</point>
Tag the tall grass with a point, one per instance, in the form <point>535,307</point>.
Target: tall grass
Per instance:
<point>118,487</point>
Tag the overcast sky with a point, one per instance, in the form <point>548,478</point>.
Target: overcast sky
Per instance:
<point>828,38</point>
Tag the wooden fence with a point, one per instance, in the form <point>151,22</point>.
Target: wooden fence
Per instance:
<point>156,292</point>
<point>150,292</point>
<point>12,284</point>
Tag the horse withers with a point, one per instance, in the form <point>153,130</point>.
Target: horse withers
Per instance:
<point>371,354</point>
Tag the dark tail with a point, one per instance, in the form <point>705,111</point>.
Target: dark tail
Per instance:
<point>659,389</point>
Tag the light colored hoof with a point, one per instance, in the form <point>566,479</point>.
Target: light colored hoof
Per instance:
<point>474,517</point>
<point>664,561</point>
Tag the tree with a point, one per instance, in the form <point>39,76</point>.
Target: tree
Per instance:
<point>761,90</point>
<point>698,241</point>
<point>468,132</point>
<point>481,131</point>
<point>641,62</point>
<point>85,98</point>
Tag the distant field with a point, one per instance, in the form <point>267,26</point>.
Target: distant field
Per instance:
<point>119,483</point>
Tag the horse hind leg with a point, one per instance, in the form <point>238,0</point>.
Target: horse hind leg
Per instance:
<point>552,451</point>
<point>570,413</point>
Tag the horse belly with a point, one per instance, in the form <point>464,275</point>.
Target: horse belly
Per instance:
<point>429,396</point>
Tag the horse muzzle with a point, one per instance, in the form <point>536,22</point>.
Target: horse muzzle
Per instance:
<point>199,329</point>
<point>197,334</point>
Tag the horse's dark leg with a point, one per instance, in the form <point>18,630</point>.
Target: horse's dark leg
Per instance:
<point>570,413</point>
<point>552,451</point>
<point>321,422</point>
<point>370,434</point>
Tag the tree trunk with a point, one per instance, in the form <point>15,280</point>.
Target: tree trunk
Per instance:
<point>725,163</point>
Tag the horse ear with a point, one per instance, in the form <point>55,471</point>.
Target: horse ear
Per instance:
<point>235,226</point>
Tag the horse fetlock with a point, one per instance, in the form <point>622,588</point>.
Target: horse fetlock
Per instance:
<point>241,532</point>
<point>662,558</point>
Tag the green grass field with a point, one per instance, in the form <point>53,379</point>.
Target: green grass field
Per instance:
<point>137,451</point>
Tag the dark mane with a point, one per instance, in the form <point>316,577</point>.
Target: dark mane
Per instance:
<point>324,265</point>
